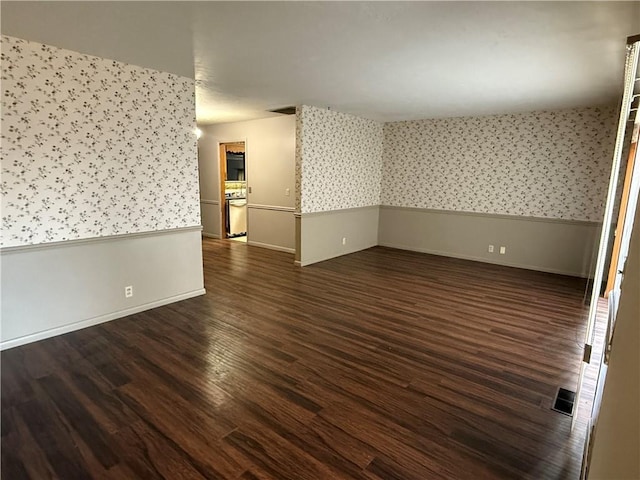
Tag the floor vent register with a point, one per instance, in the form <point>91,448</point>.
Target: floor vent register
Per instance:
<point>565,400</point>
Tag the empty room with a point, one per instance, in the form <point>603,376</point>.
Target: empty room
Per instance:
<point>320,240</point>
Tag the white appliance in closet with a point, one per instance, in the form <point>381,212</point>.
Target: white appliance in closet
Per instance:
<point>237,216</point>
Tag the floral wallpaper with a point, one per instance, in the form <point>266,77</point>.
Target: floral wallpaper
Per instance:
<point>544,164</point>
<point>93,147</point>
<point>339,160</point>
<point>298,159</point>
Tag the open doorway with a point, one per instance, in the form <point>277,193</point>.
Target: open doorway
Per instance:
<point>233,191</point>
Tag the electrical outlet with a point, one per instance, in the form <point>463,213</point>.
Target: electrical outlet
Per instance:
<point>128,291</point>
<point>490,248</point>
<point>344,240</point>
<point>287,192</point>
<point>503,250</point>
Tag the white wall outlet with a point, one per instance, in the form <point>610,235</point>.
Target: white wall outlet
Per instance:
<point>490,248</point>
<point>344,240</point>
<point>287,192</point>
<point>503,250</point>
<point>128,291</point>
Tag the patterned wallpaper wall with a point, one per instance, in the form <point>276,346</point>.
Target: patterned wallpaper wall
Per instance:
<point>93,147</point>
<point>543,164</point>
<point>339,160</point>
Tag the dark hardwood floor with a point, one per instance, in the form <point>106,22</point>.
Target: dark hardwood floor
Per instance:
<point>383,364</point>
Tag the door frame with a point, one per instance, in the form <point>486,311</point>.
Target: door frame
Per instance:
<point>631,66</point>
<point>222,173</point>
<point>627,208</point>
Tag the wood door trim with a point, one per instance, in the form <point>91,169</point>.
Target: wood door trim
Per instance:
<point>222,160</point>
<point>624,202</point>
<point>235,147</point>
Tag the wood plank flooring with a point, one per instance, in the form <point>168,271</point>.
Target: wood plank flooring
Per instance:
<point>383,364</point>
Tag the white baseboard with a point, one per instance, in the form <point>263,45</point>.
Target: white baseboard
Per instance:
<point>323,258</point>
<point>481,259</point>
<point>271,247</point>
<point>210,235</point>
<point>16,342</point>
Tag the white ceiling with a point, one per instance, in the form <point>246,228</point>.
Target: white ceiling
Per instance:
<point>382,60</point>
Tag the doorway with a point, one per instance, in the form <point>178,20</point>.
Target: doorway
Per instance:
<point>233,191</point>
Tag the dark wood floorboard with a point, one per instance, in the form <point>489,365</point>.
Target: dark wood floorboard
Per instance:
<point>384,364</point>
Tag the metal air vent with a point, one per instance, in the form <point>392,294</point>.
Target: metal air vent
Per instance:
<point>285,110</point>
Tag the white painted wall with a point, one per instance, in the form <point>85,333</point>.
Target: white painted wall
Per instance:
<point>322,234</point>
<point>209,185</point>
<point>548,245</point>
<point>270,168</point>
<point>56,288</point>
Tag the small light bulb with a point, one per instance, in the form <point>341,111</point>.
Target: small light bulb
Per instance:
<point>198,133</point>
